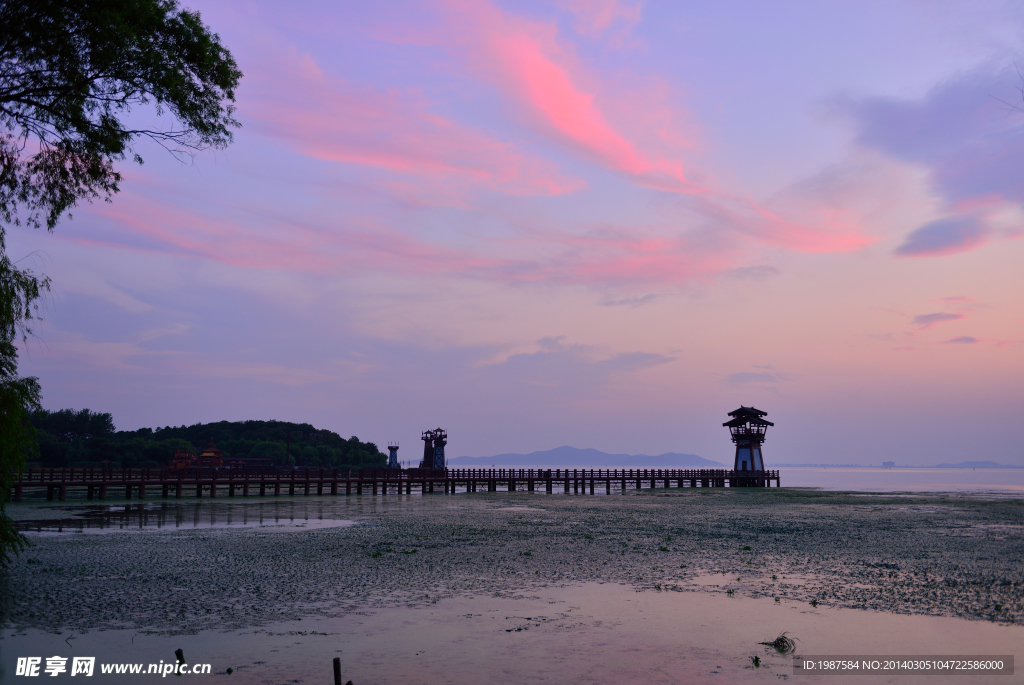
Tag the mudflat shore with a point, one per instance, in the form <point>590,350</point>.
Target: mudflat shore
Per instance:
<point>935,554</point>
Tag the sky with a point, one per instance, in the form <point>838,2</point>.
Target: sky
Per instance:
<point>601,224</point>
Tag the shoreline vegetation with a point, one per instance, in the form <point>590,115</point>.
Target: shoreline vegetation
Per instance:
<point>69,438</point>
<point>933,554</point>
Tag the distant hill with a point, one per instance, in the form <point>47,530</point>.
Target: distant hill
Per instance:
<point>86,438</point>
<point>575,458</point>
<point>977,465</point>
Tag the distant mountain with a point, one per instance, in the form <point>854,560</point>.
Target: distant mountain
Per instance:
<point>977,465</point>
<point>574,458</point>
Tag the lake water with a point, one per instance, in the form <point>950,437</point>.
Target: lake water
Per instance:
<point>592,633</point>
<point>287,514</point>
<point>1009,481</point>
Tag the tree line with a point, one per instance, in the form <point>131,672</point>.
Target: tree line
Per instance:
<point>86,438</point>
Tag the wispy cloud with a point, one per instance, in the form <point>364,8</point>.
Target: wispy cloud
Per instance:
<point>556,95</point>
<point>393,130</point>
<point>560,364</point>
<point>595,17</point>
<point>962,340</point>
<point>970,144</point>
<point>945,236</point>
<point>759,378</point>
<point>638,301</point>
<point>926,321</point>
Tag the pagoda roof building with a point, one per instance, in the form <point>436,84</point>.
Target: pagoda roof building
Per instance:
<point>745,415</point>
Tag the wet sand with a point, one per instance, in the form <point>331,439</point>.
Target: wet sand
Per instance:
<point>589,633</point>
<point>886,572</point>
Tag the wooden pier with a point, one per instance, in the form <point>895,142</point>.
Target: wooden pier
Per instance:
<point>104,483</point>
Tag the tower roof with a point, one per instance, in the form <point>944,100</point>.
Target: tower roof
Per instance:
<point>747,411</point>
<point>745,415</point>
<point>744,420</point>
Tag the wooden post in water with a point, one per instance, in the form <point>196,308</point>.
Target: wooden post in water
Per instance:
<point>337,670</point>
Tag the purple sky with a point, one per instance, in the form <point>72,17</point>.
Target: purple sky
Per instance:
<point>603,224</point>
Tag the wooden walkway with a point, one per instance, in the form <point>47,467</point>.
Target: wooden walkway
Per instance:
<point>100,483</point>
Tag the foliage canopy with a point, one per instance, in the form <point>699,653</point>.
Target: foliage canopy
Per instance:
<point>70,72</point>
<point>79,438</point>
<point>70,75</point>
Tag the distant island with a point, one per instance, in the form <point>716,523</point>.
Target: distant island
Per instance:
<point>574,458</point>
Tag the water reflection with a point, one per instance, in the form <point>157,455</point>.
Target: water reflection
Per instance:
<point>868,479</point>
<point>280,515</point>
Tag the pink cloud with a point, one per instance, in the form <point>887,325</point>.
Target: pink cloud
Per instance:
<point>542,77</point>
<point>392,130</point>
<point>806,228</point>
<point>524,59</point>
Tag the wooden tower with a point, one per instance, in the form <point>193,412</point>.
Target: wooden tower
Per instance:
<point>428,450</point>
<point>440,440</point>
<point>748,428</point>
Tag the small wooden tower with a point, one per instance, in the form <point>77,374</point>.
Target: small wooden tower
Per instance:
<point>440,440</point>
<point>428,450</point>
<point>748,428</point>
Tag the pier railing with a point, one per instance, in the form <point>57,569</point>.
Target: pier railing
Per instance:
<point>97,481</point>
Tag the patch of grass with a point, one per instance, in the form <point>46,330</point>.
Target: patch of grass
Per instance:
<point>756,660</point>
<point>730,592</point>
<point>746,548</point>
<point>814,603</point>
<point>588,537</point>
<point>663,549</point>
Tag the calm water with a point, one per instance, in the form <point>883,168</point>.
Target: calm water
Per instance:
<point>905,480</point>
<point>281,514</point>
<point>594,633</point>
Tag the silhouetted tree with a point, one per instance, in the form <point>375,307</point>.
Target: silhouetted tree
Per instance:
<point>70,72</point>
